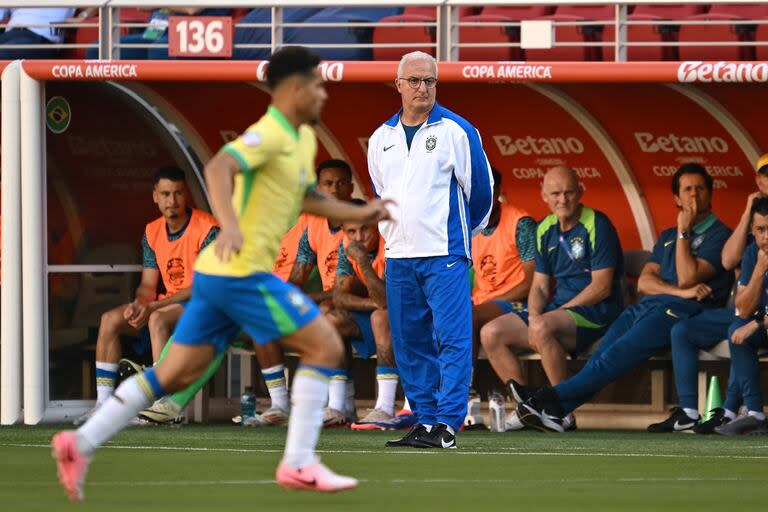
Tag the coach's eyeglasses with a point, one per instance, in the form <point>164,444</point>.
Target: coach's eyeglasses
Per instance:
<point>415,83</point>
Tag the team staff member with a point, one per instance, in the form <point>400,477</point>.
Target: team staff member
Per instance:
<point>683,277</point>
<point>706,330</point>
<point>432,163</point>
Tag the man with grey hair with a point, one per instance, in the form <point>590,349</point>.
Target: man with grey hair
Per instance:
<point>431,163</point>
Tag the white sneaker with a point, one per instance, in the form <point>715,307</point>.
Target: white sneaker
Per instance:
<point>512,422</point>
<point>272,416</point>
<point>163,412</point>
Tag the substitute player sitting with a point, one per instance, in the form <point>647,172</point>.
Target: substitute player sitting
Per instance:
<point>170,245</point>
<point>360,315</point>
<point>258,184</point>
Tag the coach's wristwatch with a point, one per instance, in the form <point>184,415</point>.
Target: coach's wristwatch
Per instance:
<point>684,235</point>
<point>759,316</point>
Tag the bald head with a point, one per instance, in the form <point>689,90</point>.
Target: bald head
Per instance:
<point>562,174</point>
<point>562,192</point>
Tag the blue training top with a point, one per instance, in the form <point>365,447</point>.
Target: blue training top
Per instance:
<point>571,256</point>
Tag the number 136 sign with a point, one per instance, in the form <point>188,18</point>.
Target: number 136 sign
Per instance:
<point>200,36</point>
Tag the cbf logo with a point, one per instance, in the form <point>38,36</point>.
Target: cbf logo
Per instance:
<point>577,247</point>
<point>298,301</point>
<point>431,143</point>
<point>697,242</point>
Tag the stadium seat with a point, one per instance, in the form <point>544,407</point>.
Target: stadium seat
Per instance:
<point>574,34</point>
<point>409,36</point>
<point>340,35</point>
<point>634,261</point>
<point>652,33</point>
<point>725,34</point>
<point>498,34</point>
<point>250,35</point>
<point>90,35</point>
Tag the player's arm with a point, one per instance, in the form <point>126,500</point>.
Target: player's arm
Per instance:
<point>137,313</point>
<point>306,260</point>
<point>596,291</point>
<point>651,283</point>
<point>343,298</point>
<point>737,242</point>
<point>748,295</point>
<point>325,206</point>
<point>377,288</point>
<point>539,294</point>
<point>525,242</point>
<point>219,178</point>
<point>690,269</point>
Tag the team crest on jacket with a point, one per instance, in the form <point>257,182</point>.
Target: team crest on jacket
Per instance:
<point>577,247</point>
<point>697,242</point>
<point>431,143</point>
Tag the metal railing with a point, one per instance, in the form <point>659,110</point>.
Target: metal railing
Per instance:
<point>446,26</point>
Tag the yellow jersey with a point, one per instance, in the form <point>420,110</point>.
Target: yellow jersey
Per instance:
<point>277,165</point>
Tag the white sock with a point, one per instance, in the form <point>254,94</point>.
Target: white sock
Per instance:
<point>691,413</point>
<point>113,415</point>
<point>337,392</point>
<point>106,376</point>
<point>386,394</point>
<point>350,408</point>
<point>730,414</point>
<point>278,390</point>
<point>406,405</point>
<point>428,427</point>
<point>757,414</point>
<point>307,399</point>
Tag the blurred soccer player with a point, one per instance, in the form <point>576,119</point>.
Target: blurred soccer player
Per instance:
<point>271,168</point>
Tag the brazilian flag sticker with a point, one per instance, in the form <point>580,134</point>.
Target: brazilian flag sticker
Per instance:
<point>58,114</point>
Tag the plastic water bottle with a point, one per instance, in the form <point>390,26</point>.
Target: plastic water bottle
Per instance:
<point>247,404</point>
<point>498,415</point>
<point>474,418</point>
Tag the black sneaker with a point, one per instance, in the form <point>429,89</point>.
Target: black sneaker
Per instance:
<point>708,427</point>
<point>520,392</point>
<point>678,421</point>
<point>542,411</point>
<point>408,439</point>
<point>127,368</point>
<point>438,437</point>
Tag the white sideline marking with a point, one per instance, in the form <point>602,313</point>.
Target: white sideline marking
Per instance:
<point>415,452</point>
<point>519,482</point>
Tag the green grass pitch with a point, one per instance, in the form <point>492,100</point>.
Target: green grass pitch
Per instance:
<point>228,468</point>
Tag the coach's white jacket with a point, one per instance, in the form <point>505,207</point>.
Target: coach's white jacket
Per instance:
<point>443,186</point>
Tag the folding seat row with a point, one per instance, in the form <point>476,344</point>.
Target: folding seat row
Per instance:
<point>571,39</point>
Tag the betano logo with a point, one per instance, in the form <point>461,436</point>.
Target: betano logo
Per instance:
<point>538,145</point>
<point>672,143</point>
<point>330,71</point>
<point>697,71</point>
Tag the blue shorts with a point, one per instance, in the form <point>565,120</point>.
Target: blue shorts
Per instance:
<point>591,322</point>
<point>510,306</point>
<point>261,304</point>
<point>365,347</point>
<point>143,341</point>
